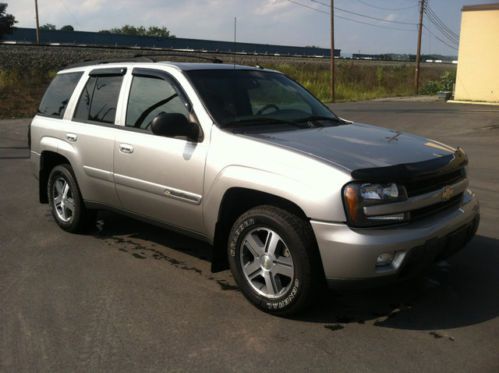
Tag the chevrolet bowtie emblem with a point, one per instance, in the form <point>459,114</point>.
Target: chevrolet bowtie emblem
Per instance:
<point>447,193</point>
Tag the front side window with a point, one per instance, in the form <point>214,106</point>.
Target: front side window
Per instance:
<point>252,96</point>
<point>99,99</point>
<point>56,98</point>
<point>150,96</point>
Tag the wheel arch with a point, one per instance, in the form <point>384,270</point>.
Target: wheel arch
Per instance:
<point>235,202</point>
<point>48,160</point>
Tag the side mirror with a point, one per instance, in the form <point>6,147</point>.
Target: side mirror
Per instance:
<point>174,125</point>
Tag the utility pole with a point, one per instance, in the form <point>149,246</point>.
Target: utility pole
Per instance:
<point>37,23</point>
<point>235,41</point>
<point>418,53</point>
<point>332,74</point>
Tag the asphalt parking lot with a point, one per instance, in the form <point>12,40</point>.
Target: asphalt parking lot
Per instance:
<point>133,297</point>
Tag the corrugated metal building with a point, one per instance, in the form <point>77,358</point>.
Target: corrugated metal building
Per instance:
<point>28,35</point>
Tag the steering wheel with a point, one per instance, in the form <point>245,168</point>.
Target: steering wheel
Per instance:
<point>266,107</point>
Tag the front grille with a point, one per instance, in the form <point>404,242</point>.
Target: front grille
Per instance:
<point>424,212</point>
<point>430,184</point>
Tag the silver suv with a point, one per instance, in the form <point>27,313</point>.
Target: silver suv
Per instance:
<point>290,195</point>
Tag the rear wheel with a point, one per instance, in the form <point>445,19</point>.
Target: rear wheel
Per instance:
<point>65,201</point>
<point>273,258</point>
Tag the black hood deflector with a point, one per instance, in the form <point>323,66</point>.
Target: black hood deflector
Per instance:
<point>404,173</point>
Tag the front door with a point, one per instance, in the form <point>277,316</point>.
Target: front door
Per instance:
<point>157,177</point>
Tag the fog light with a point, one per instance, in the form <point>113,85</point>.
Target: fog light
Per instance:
<point>384,259</point>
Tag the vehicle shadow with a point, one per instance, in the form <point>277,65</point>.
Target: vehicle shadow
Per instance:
<point>145,241</point>
<point>461,292</point>
<point>146,238</point>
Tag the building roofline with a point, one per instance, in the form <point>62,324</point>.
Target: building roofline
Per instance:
<point>468,8</point>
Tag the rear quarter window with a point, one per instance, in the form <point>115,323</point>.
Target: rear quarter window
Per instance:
<point>56,97</point>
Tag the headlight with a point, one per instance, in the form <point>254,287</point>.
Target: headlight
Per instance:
<point>356,196</point>
<point>379,192</point>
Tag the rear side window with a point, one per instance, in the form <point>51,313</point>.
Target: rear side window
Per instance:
<point>56,98</point>
<point>99,99</point>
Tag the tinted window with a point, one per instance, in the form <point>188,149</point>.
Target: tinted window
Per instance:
<point>99,99</point>
<point>240,95</point>
<point>58,93</point>
<point>150,96</point>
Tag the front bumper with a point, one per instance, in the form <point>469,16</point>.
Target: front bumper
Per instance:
<point>350,254</point>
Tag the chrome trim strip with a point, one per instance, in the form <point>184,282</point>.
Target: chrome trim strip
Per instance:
<point>99,173</point>
<point>417,202</point>
<point>158,189</point>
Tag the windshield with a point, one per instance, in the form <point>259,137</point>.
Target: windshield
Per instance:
<point>256,97</point>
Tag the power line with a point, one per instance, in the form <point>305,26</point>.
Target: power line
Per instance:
<point>372,24</point>
<point>438,22</point>
<point>363,15</point>
<point>432,12</point>
<point>436,37</point>
<point>443,31</point>
<point>349,19</point>
<point>308,6</point>
<point>77,23</point>
<point>383,8</point>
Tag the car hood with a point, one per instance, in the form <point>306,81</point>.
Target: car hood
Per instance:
<point>358,146</point>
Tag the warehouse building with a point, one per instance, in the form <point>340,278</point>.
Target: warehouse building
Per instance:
<point>478,61</point>
<point>83,38</point>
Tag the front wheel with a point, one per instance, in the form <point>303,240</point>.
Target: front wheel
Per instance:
<point>273,258</point>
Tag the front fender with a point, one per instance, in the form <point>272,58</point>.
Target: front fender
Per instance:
<point>317,201</point>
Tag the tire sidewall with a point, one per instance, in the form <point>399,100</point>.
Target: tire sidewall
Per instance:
<point>249,222</point>
<point>65,172</point>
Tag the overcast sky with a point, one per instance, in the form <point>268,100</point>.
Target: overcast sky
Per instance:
<point>260,21</point>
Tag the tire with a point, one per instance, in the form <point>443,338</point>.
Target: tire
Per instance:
<point>65,200</point>
<point>274,260</point>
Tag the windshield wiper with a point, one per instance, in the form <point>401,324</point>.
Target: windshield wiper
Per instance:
<point>261,121</point>
<point>315,118</point>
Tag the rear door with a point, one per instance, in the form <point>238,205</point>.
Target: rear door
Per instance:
<point>157,177</point>
<point>92,132</point>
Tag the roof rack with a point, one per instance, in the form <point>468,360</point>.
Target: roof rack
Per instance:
<point>151,56</point>
<point>89,62</point>
<point>141,58</point>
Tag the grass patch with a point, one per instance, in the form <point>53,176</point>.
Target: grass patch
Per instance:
<point>359,81</point>
<point>21,92</point>
<point>21,89</point>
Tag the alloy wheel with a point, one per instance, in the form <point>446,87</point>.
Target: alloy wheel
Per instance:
<point>63,200</point>
<point>266,262</point>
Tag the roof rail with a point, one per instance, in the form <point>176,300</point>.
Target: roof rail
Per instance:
<point>140,58</point>
<point>89,62</point>
<point>151,56</point>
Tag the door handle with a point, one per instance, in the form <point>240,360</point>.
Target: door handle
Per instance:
<point>71,137</point>
<point>125,148</point>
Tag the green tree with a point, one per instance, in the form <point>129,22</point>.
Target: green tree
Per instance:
<point>156,31</point>
<point>67,28</point>
<point>6,20</point>
<point>161,32</point>
<point>48,27</point>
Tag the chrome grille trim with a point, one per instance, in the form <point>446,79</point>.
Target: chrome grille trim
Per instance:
<point>417,202</point>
